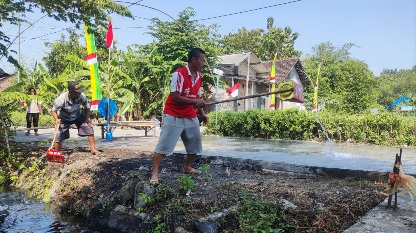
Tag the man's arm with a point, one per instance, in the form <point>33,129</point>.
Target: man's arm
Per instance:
<point>40,109</point>
<point>55,116</point>
<point>178,99</point>
<point>87,116</point>
<point>201,115</point>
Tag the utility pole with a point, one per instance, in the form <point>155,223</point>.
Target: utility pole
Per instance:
<point>247,79</point>
<point>18,70</point>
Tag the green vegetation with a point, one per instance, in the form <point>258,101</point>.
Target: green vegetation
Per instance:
<point>258,215</point>
<point>187,184</point>
<point>387,128</point>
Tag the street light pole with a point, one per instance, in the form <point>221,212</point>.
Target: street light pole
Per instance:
<point>218,74</point>
<point>248,77</point>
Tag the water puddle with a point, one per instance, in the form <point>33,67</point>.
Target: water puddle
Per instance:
<point>21,214</point>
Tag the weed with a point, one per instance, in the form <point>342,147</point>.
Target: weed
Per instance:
<point>257,215</point>
<point>205,168</point>
<point>161,226</point>
<point>187,184</point>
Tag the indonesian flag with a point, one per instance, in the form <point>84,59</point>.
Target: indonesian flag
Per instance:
<point>91,58</point>
<point>109,38</point>
<point>233,91</point>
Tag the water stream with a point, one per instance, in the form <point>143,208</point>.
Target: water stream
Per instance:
<point>20,214</point>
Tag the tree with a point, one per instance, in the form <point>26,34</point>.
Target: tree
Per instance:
<point>90,12</point>
<point>345,84</point>
<point>263,43</point>
<point>55,60</point>
<point>175,39</point>
<point>393,85</point>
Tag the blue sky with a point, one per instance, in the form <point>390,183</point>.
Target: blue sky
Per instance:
<point>383,30</point>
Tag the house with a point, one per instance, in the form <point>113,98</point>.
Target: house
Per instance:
<point>6,80</point>
<point>254,79</point>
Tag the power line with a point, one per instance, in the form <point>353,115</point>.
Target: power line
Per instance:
<point>246,11</point>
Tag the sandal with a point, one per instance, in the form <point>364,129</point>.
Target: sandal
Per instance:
<point>191,171</point>
<point>27,133</point>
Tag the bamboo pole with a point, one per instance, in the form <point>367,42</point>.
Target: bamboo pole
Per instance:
<point>251,96</point>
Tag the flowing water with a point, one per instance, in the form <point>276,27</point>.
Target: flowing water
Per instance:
<point>20,214</point>
<point>327,154</point>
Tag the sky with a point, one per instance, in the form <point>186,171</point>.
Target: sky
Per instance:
<point>384,31</point>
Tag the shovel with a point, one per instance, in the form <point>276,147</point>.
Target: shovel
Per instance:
<point>52,155</point>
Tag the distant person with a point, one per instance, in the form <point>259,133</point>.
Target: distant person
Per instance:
<point>33,110</point>
<point>66,111</point>
<point>180,118</point>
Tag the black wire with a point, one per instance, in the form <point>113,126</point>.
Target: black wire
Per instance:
<point>241,12</point>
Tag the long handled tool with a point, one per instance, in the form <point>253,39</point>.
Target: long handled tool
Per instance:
<point>52,155</point>
<point>251,96</point>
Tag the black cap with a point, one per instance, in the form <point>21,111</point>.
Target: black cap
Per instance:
<point>75,86</point>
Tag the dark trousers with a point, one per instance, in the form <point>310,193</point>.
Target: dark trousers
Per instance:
<point>32,117</point>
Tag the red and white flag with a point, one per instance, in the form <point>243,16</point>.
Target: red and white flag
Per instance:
<point>91,58</point>
<point>109,38</point>
<point>233,91</point>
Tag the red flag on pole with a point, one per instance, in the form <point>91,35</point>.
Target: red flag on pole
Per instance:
<point>109,39</point>
<point>233,91</point>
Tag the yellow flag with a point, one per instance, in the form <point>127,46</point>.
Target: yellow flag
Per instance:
<point>315,93</point>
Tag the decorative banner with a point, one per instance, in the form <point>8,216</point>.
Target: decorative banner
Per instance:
<point>91,59</point>
<point>315,93</point>
<point>273,82</point>
<point>272,98</point>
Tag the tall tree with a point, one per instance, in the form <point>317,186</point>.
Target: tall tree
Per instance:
<point>55,60</point>
<point>394,84</point>
<point>91,12</point>
<point>264,43</point>
<point>175,39</point>
<point>345,84</point>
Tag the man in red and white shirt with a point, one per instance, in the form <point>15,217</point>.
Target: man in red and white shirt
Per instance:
<point>180,118</point>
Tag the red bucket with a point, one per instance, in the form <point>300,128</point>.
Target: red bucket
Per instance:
<point>53,156</point>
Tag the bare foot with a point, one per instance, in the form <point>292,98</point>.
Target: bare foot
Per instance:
<point>154,180</point>
<point>95,152</point>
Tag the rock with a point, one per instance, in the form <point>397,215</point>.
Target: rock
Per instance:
<point>142,194</point>
<point>3,215</point>
<point>207,227</point>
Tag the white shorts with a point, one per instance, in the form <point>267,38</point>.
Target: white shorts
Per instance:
<point>173,128</point>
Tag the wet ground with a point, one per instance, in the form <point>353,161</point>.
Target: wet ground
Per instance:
<point>329,154</point>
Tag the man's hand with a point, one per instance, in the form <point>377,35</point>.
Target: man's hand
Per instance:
<point>88,121</point>
<point>199,103</point>
<point>203,118</point>
<point>57,121</point>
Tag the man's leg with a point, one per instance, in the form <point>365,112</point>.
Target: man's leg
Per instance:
<point>35,118</point>
<point>192,140</point>
<point>28,122</point>
<point>58,146</point>
<point>92,144</point>
<point>157,160</point>
<point>187,167</point>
